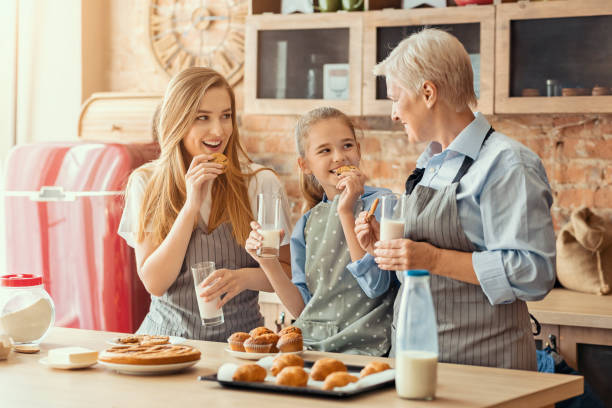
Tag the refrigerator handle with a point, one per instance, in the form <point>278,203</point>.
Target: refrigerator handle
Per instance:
<point>51,193</point>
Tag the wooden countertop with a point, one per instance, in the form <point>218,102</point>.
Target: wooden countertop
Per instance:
<point>571,308</point>
<point>24,382</point>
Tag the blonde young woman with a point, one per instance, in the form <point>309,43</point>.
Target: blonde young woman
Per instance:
<point>182,209</point>
<point>478,210</point>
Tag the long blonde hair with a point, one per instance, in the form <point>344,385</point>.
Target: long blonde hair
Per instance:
<point>165,193</point>
<point>309,186</point>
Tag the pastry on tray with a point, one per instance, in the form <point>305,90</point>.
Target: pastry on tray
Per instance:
<point>250,373</point>
<point>373,367</point>
<point>286,360</point>
<point>292,376</point>
<point>338,379</point>
<point>143,340</point>
<point>150,355</point>
<point>324,367</point>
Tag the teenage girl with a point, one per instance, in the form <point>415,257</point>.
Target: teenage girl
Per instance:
<point>334,313</point>
<point>182,209</point>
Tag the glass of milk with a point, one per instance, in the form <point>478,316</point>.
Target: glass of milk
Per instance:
<point>268,217</point>
<point>392,221</point>
<point>210,315</point>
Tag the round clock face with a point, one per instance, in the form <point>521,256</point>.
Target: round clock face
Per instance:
<point>205,33</point>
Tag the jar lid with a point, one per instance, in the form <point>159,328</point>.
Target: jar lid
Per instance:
<point>20,280</point>
<point>416,272</point>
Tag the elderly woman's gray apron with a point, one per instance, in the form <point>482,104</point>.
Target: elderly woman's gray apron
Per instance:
<point>339,316</point>
<point>470,329</point>
<point>176,312</point>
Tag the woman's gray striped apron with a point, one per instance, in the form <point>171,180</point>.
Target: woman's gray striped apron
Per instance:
<point>470,329</point>
<point>176,312</point>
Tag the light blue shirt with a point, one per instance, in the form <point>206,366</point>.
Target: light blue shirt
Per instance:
<point>503,204</point>
<point>298,246</point>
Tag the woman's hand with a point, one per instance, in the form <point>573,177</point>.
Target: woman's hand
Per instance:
<point>351,184</point>
<point>200,172</point>
<point>255,240</point>
<point>222,281</point>
<point>402,254</point>
<point>367,232</point>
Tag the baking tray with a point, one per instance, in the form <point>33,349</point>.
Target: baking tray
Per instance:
<point>271,387</point>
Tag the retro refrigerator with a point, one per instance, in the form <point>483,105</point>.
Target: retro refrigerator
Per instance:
<point>63,204</point>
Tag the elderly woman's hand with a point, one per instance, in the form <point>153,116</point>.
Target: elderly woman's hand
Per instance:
<point>367,232</point>
<point>403,254</point>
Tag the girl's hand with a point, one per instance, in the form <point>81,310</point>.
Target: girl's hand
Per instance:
<point>367,232</point>
<point>402,254</point>
<point>254,242</point>
<point>222,281</point>
<point>200,172</point>
<point>351,184</point>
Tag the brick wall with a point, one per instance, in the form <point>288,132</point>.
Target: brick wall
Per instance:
<point>576,150</point>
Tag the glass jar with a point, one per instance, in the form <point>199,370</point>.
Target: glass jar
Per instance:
<point>27,311</point>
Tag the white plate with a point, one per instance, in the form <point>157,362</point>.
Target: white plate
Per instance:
<point>66,366</point>
<point>256,356</point>
<point>172,339</point>
<point>140,369</point>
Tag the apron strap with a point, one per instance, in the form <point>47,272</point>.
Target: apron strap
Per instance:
<point>417,175</point>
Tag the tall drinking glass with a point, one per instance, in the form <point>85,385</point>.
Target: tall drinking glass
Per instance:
<point>393,219</point>
<point>210,315</point>
<point>268,217</point>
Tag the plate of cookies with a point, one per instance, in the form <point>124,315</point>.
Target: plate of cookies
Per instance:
<point>261,342</point>
<point>152,359</point>
<point>289,373</point>
<point>144,340</point>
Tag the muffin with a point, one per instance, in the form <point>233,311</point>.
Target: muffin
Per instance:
<point>258,331</point>
<point>286,360</point>
<point>258,344</point>
<point>338,379</point>
<point>324,367</point>
<point>292,376</point>
<point>373,367</point>
<point>290,329</point>
<point>250,373</point>
<point>290,342</point>
<point>236,341</point>
<point>271,338</point>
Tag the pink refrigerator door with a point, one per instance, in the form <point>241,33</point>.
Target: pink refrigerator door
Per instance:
<point>69,237</point>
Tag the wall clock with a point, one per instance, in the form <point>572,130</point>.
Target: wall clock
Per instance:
<point>206,33</point>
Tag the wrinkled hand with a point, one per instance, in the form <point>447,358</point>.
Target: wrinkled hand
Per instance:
<point>367,232</point>
<point>402,254</point>
<point>255,240</point>
<point>199,173</point>
<point>351,184</point>
<point>222,282</point>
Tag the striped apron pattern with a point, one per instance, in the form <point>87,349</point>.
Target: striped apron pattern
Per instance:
<point>470,329</point>
<point>176,312</point>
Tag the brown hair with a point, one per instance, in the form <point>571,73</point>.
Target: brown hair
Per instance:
<point>309,186</point>
<point>165,192</point>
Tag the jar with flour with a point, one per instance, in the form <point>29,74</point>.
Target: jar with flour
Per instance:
<point>27,311</point>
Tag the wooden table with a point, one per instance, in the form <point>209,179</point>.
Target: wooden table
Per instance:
<point>24,382</point>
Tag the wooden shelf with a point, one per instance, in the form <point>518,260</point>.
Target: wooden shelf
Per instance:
<point>570,308</point>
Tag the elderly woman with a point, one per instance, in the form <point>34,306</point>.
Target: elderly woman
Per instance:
<point>478,211</point>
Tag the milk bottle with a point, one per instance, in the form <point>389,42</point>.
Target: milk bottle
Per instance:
<point>416,359</point>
